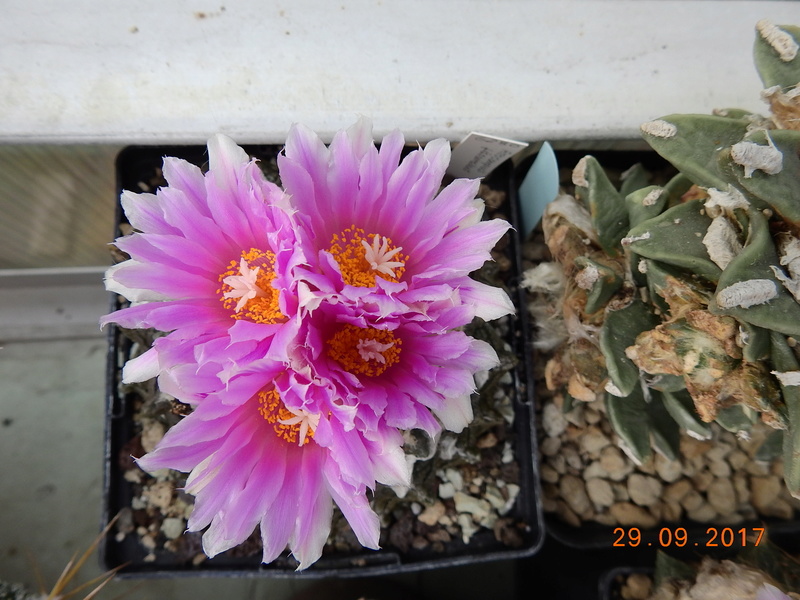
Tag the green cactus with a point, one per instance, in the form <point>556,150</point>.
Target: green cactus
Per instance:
<point>683,301</point>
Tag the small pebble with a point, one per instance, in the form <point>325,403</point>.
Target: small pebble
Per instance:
<point>600,492</point>
<point>549,474</point>
<point>594,470</point>
<point>702,480</point>
<point>719,468</point>
<point>432,514</point>
<point>722,496</point>
<point>592,441</point>
<point>573,491</point>
<point>671,512</point>
<point>477,507</point>
<point>614,463</point>
<point>637,587</point>
<point>704,513</point>
<point>173,527</point>
<point>553,420</point>
<point>643,490</point>
<point>676,492</point>
<point>668,470</point>
<point>692,501</point>
<point>550,446</point>
<point>446,490</point>
<point>488,440</point>
<point>628,514</point>
<point>764,492</point>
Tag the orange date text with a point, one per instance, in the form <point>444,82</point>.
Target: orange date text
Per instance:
<point>678,537</point>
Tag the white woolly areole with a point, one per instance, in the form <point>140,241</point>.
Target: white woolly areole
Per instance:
<point>574,212</point>
<point>587,277</point>
<point>721,242</point>
<point>788,378</point>
<point>544,277</point>
<point>789,249</point>
<point>652,197</point>
<point>627,241</point>
<point>776,93</point>
<point>727,200</point>
<point>790,283</point>
<point>579,174</point>
<point>659,128</point>
<point>754,156</point>
<point>783,43</point>
<point>745,294</point>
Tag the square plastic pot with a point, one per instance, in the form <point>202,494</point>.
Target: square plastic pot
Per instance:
<point>136,165</point>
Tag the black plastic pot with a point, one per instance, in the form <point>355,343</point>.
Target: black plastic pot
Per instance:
<point>135,164</point>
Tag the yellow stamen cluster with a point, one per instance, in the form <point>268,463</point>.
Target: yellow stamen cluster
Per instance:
<point>364,351</point>
<point>283,421</point>
<point>362,256</point>
<point>251,274</point>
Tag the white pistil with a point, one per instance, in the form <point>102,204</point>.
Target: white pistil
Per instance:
<point>378,256</point>
<point>305,419</point>
<point>373,350</point>
<point>243,286</point>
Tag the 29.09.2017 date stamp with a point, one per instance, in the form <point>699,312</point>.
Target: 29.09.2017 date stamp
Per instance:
<point>678,537</point>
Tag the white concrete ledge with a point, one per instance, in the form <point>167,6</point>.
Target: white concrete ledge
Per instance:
<point>155,71</point>
<point>39,304</point>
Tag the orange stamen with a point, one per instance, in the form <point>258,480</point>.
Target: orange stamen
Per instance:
<point>362,257</point>
<point>294,427</point>
<point>364,351</point>
<point>247,289</point>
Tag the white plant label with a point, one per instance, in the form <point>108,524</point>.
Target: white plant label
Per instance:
<point>478,154</point>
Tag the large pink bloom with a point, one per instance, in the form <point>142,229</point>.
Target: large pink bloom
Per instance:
<point>406,371</point>
<point>253,461</point>
<point>212,257</point>
<point>381,232</point>
<point>388,284</point>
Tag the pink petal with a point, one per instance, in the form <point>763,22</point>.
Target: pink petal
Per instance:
<point>355,508</point>
<point>463,250</point>
<point>351,455</point>
<point>315,511</point>
<point>225,159</point>
<point>456,414</point>
<point>141,368</point>
<point>166,316</point>
<point>389,154</point>
<point>134,294</point>
<point>194,224</point>
<point>489,302</point>
<point>278,522</point>
<point>186,178</point>
<point>169,249</point>
<point>144,212</point>
<point>246,509</point>
<point>172,282</point>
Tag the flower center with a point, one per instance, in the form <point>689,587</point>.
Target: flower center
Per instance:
<point>247,288</point>
<point>292,426</point>
<point>364,351</point>
<point>362,256</point>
